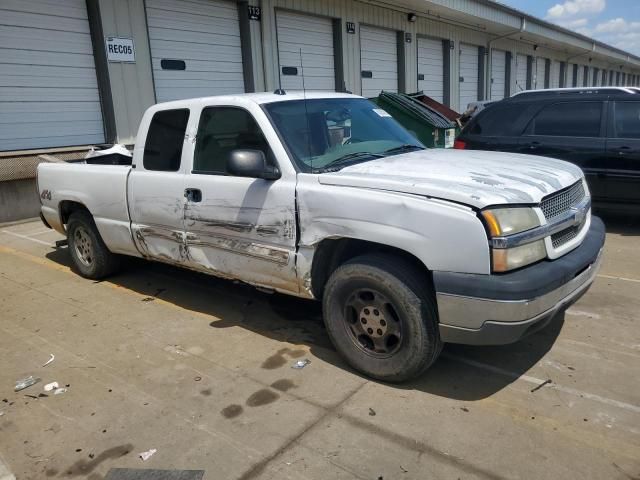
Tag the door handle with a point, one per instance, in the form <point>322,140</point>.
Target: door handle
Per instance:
<point>623,150</point>
<point>534,145</point>
<point>193,195</point>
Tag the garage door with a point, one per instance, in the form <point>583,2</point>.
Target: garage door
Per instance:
<point>580,77</point>
<point>195,48</point>
<point>498,72</point>
<point>378,60</point>
<point>541,70</point>
<point>554,77</point>
<point>431,68</point>
<point>48,88</point>
<point>521,72</point>
<point>468,75</point>
<point>314,36</point>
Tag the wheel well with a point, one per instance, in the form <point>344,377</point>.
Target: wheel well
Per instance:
<point>67,207</point>
<point>331,253</point>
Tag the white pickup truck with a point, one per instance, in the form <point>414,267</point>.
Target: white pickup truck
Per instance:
<point>325,196</point>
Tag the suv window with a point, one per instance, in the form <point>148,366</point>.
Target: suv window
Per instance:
<point>497,120</point>
<point>222,130</point>
<point>626,120</point>
<point>568,119</point>
<point>165,138</point>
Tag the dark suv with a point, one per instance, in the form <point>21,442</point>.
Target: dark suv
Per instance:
<point>598,129</point>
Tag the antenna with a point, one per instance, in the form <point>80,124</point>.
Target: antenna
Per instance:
<point>306,110</point>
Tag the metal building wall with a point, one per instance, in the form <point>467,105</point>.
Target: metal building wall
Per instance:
<point>131,83</point>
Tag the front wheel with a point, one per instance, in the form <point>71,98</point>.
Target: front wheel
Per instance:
<point>90,255</point>
<point>381,315</point>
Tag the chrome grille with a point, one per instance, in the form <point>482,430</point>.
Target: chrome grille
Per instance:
<point>566,235</point>
<point>560,202</point>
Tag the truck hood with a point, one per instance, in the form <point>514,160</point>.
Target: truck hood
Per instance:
<point>472,177</point>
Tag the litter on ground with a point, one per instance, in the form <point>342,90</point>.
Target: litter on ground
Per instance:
<point>147,455</point>
<point>51,386</point>
<point>25,383</point>
<point>51,359</point>
<point>301,363</point>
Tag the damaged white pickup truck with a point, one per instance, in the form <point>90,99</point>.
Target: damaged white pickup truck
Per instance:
<point>327,197</point>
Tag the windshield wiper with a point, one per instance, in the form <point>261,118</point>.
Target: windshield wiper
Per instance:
<point>348,158</point>
<point>403,148</point>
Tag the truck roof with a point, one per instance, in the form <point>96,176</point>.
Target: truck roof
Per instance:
<point>259,98</point>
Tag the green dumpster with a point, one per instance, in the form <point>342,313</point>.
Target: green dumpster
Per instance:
<point>429,126</point>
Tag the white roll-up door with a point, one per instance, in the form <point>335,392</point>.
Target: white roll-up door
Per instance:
<point>541,71</point>
<point>570,82</point>
<point>554,76</point>
<point>584,79</point>
<point>521,73</point>
<point>378,60</point>
<point>195,48</point>
<point>314,37</point>
<point>431,68</point>
<point>468,75</point>
<point>48,87</point>
<point>498,73</point>
<point>580,76</point>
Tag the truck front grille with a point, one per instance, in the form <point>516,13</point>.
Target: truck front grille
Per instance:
<point>561,202</point>
<point>566,235</point>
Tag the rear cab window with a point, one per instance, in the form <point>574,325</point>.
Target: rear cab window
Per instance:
<point>165,139</point>
<point>568,119</point>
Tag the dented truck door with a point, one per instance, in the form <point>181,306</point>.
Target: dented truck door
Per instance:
<point>156,187</point>
<point>238,227</point>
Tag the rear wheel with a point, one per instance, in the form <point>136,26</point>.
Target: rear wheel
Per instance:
<point>90,255</point>
<point>381,315</point>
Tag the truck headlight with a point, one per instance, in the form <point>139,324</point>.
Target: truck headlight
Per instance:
<point>507,221</point>
<point>503,222</point>
<point>505,259</point>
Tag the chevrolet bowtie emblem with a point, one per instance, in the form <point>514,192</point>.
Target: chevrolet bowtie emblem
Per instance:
<point>578,215</point>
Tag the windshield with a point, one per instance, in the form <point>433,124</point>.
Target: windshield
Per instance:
<point>326,135</point>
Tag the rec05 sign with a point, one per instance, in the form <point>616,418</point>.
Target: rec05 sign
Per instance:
<point>120,49</point>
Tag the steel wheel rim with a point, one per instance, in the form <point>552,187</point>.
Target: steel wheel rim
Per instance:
<point>372,323</point>
<point>83,246</point>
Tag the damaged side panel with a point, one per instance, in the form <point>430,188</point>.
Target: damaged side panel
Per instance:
<point>243,228</point>
<point>443,241</point>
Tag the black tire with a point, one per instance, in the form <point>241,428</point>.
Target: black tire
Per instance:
<point>407,299</point>
<point>91,257</point>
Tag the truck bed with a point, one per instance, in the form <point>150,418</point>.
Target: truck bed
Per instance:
<point>101,188</point>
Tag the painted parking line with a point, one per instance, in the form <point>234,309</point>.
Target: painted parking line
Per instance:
<point>25,237</point>
<point>626,279</point>
<point>538,381</point>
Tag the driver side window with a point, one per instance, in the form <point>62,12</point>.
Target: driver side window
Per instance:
<point>221,131</point>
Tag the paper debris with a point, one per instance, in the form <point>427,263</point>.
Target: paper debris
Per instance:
<point>51,359</point>
<point>147,455</point>
<point>51,386</point>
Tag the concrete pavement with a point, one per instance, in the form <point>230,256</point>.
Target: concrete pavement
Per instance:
<point>200,369</point>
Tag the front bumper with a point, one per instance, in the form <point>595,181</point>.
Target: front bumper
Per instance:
<point>503,308</point>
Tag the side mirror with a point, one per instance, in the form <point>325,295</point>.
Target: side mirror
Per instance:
<point>251,163</point>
